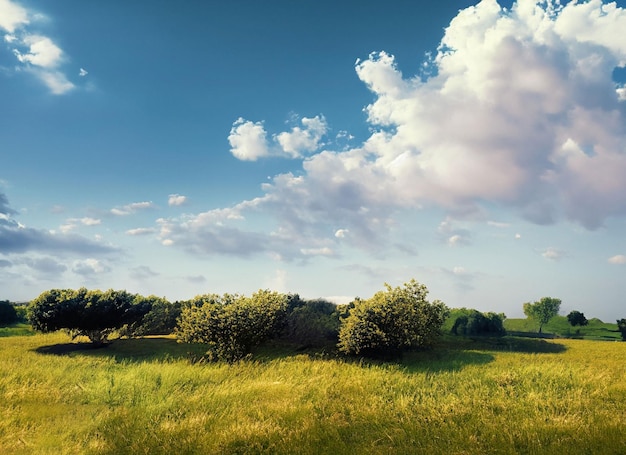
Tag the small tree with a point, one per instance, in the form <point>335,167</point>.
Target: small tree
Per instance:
<point>94,314</point>
<point>8,315</point>
<point>543,310</point>
<point>577,318</point>
<point>392,321</point>
<point>621,326</point>
<point>473,322</point>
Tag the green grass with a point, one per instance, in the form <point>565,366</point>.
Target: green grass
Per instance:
<point>595,330</point>
<point>494,396</point>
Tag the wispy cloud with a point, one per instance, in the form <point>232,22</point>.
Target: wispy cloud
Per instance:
<point>618,259</point>
<point>132,208</point>
<point>36,53</point>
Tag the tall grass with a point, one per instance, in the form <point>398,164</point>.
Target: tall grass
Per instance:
<point>149,396</point>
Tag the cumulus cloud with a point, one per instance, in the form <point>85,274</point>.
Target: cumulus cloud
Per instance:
<point>140,231</point>
<point>89,267</point>
<point>38,54</point>
<point>618,259</point>
<point>176,200</point>
<point>249,142</point>
<point>518,110</point>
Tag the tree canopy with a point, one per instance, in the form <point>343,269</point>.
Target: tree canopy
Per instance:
<point>543,310</point>
<point>94,314</point>
<point>577,318</point>
<point>392,321</point>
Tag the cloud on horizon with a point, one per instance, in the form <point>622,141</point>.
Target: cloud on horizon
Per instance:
<point>519,111</point>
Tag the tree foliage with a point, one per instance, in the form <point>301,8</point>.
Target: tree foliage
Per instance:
<point>392,321</point>
<point>160,320</point>
<point>621,326</point>
<point>473,322</point>
<point>232,325</point>
<point>577,318</point>
<point>311,323</point>
<point>8,314</point>
<point>543,310</point>
<point>94,314</point>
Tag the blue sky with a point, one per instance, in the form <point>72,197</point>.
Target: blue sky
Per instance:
<point>317,148</point>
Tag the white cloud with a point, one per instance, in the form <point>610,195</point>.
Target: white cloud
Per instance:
<point>12,16</point>
<point>249,142</point>
<point>129,209</point>
<point>83,72</point>
<point>37,53</point>
<point>619,259</point>
<point>342,233</point>
<point>519,111</point>
<point>302,140</point>
<point>140,231</point>
<point>324,251</point>
<point>176,200</point>
<point>90,267</point>
<point>553,254</point>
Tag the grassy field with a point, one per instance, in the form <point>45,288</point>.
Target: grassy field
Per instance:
<point>595,330</point>
<point>149,396</point>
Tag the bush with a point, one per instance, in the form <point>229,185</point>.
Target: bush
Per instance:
<point>311,323</point>
<point>94,314</point>
<point>621,326</point>
<point>473,322</point>
<point>8,315</point>
<point>392,321</point>
<point>232,325</point>
<point>160,320</point>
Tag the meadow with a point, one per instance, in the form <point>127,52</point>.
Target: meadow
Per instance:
<point>155,396</point>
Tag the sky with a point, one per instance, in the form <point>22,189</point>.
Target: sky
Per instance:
<point>316,147</point>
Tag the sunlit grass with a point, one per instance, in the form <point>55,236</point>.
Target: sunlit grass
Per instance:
<point>465,397</point>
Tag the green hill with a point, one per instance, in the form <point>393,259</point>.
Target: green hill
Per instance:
<point>595,330</point>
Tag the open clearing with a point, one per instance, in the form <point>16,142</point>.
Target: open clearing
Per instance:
<point>499,396</point>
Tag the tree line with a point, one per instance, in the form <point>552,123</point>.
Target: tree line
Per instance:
<point>231,325</point>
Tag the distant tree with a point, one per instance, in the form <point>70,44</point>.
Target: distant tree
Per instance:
<point>577,318</point>
<point>8,315</point>
<point>160,320</point>
<point>94,314</point>
<point>232,325</point>
<point>473,322</point>
<point>311,323</point>
<point>543,310</point>
<point>621,326</point>
<point>392,321</point>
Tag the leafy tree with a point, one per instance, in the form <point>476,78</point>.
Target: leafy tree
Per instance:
<point>232,325</point>
<point>94,314</point>
<point>312,323</point>
<point>621,326</point>
<point>8,315</point>
<point>543,310</point>
<point>577,318</point>
<point>392,321</point>
<point>473,322</point>
<point>160,320</point>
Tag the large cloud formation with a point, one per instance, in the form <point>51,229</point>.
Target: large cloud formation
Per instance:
<point>519,110</point>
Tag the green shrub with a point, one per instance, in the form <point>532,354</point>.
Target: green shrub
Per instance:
<point>473,322</point>
<point>392,321</point>
<point>160,320</point>
<point>232,325</point>
<point>8,315</point>
<point>312,323</point>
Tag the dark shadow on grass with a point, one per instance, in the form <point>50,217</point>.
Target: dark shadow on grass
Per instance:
<point>128,350</point>
<point>519,344</point>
